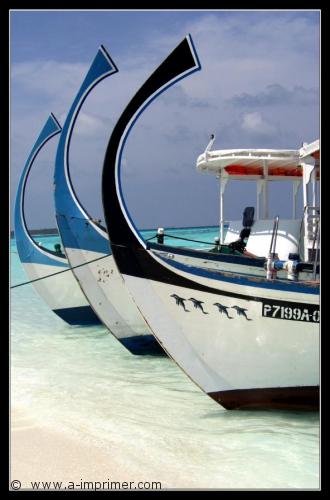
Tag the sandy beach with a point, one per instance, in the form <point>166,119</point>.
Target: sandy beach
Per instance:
<point>42,453</point>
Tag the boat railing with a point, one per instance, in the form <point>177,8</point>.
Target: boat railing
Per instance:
<point>272,247</point>
<point>271,270</point>
<point>311,232</point>
<point>316,250</point>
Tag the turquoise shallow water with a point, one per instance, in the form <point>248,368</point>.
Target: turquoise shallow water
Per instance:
<point>83,381</point>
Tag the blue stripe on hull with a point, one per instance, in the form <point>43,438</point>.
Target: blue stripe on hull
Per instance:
<point>240,279</point>
<point>143,345</point>
<point>82,315</point>
<point>206,255</point>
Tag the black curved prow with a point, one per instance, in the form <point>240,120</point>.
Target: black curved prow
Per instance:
<point>126,244</point>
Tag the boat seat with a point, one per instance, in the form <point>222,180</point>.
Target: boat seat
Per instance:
<point>238,231</point>
<point>287,241</point>
<point>233,231</point>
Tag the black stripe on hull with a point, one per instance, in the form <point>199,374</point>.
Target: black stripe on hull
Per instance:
<point>82,315</point>
<point>277,398</point>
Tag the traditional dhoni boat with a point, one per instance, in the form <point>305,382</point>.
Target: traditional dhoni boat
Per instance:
<point>61,291</point>
<point>246,341</point>
<point>86,241</point>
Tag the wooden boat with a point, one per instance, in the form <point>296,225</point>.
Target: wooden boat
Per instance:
<point>86,242</point>
<point>61,292</point>
<point>248,342</point>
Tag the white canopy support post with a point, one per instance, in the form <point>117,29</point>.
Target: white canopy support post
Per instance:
<point>313,177</point>
<point>265,190</point>
<point>308,165</point>
<point>223,182</point>
<point>317,166</point>
<point>295,187</point>
<point>260,184</point>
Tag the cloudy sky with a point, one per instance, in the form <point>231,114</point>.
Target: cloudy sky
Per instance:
<point>258,88</point>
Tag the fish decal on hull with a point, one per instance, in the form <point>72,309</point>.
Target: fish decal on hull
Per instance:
<point>179,301</point>
<point>241,312</point>
<point>198,304</point>
<point>223,309</point>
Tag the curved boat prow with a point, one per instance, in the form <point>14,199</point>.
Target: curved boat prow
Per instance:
<point>86,243</point>
<point>27,248</point>
<point>182,62</point>
<point>61,292</point>
<point>77,228</point>
<point>246,341</point>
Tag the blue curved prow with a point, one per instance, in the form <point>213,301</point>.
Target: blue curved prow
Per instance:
<point>27,248</point>
<point>75,225</point>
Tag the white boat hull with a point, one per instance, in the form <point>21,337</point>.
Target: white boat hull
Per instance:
<point>229,356</point>
<point>61,293</point>
<point>87,245</point>
<point>246,341</point>
<point>111,300</point>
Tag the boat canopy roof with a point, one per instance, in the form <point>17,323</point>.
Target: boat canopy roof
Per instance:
<point>252,164</point>
<point>312,149</point>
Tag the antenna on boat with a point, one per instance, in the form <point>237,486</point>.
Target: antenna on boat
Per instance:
<point>210,144</point>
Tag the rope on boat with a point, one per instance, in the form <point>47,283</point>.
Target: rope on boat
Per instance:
<point>151,238</point>
<point>93,219</point>
<point>181,238</point>
<point>60,272</point>
<point>103,257</point>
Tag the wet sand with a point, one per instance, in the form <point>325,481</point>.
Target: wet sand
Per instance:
<point>41,453</point>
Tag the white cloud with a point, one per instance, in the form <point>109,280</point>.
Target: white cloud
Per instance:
<point>255,123</point>
<point>89,124</point>
<point>47,78</point>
